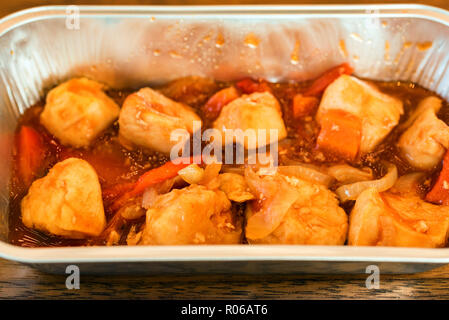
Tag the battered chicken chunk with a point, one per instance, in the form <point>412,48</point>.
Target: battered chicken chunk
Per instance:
<point>288,210</point>
<point>148,118</point>
<point>192,215</point>
<point>424,143</point>
<point>402,220</point>
<point>259,110</point>
<point>77,111</point>
<point>378,112</point>
<point>66,202</point>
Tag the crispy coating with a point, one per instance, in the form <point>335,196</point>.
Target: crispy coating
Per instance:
<point>148,118</point>
<point>259,110</point>
<point>66,202</point>
<point>424,143</point>
<point>390,219</point>
<point>77,111</point>
<point>192,215</point>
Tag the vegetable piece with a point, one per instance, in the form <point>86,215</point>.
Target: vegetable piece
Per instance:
<point>440,191</point>
<point>151,178</point>
<point>132,211</point>
<point>154,176</point>
<point>211,172</point>
<point>31,153</point>
<point>304,106</point>
<point>192,174</point>
<point>352,191</point>
<point>307,173</point>
<point>150,194</point>
<point>275,197</point>
<point>408,184</point>
<point>249,86</point>
<point>341,134</point>
<point>214,105</point>
<point>346,174</point>
<point>320,84</point>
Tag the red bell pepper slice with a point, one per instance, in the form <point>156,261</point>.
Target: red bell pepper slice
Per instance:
<point>214,105</point>
<point>152,177</point>
<point>439,193</point>
<point>340,134</point>
<point>249,86</point>
<point>304,106</point>
<point>320,84</point>
<point>30,152</point>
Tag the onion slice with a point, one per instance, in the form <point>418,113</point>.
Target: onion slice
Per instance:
<point>346,174</point>
<point>307,173</point>
<point>408,184</point>
<point>353,190</point>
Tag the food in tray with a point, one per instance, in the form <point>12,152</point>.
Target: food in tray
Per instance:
<point>77,111</point>
<point>338,160</point>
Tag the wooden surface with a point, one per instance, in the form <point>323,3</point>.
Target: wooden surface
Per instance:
<point>18,281</point>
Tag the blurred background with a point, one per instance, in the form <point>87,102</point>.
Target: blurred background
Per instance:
<point>15,5</point>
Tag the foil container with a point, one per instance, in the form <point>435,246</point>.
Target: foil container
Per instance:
<point>131,46</point>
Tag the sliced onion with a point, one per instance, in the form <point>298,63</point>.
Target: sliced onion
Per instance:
<point>149,197</point>
<point>346,174</point>
<point>276,197</point>
<point>150,194</point>
<point>352,191</point>
<point>211,171</point>
<point>192,174</point>
<point>132,211</point>
<point>408,184</point>
<point>306,173</point>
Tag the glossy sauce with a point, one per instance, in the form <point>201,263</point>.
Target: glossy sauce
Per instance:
<point>116,165</point>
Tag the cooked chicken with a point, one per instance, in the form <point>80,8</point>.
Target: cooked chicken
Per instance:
<point>402,220</point>
<point>77,111</point>
<point>66,202</point>
<point>426,140</point>
<point>289,210</point>
<point>258,110</point>
<point>192,215</point>
<point>148,118</point>
<point>378,112</point>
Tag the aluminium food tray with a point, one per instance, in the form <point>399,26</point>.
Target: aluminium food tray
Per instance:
<point>127,46</point>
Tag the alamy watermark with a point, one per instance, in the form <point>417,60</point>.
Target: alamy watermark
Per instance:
<point>72,20</point>
<point>73,279</point>
<point>373,280</point>
<point>250,146</point>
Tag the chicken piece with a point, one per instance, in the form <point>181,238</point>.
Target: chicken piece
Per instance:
<point>378,112</point>
<point>259,110</point>
<point>192,215</point>
<point>401,220</point>
<point>148,118</point>
<point>66,202</point>
<point>425,141</point>
<point>289,210</point>
<point>77,111</point>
